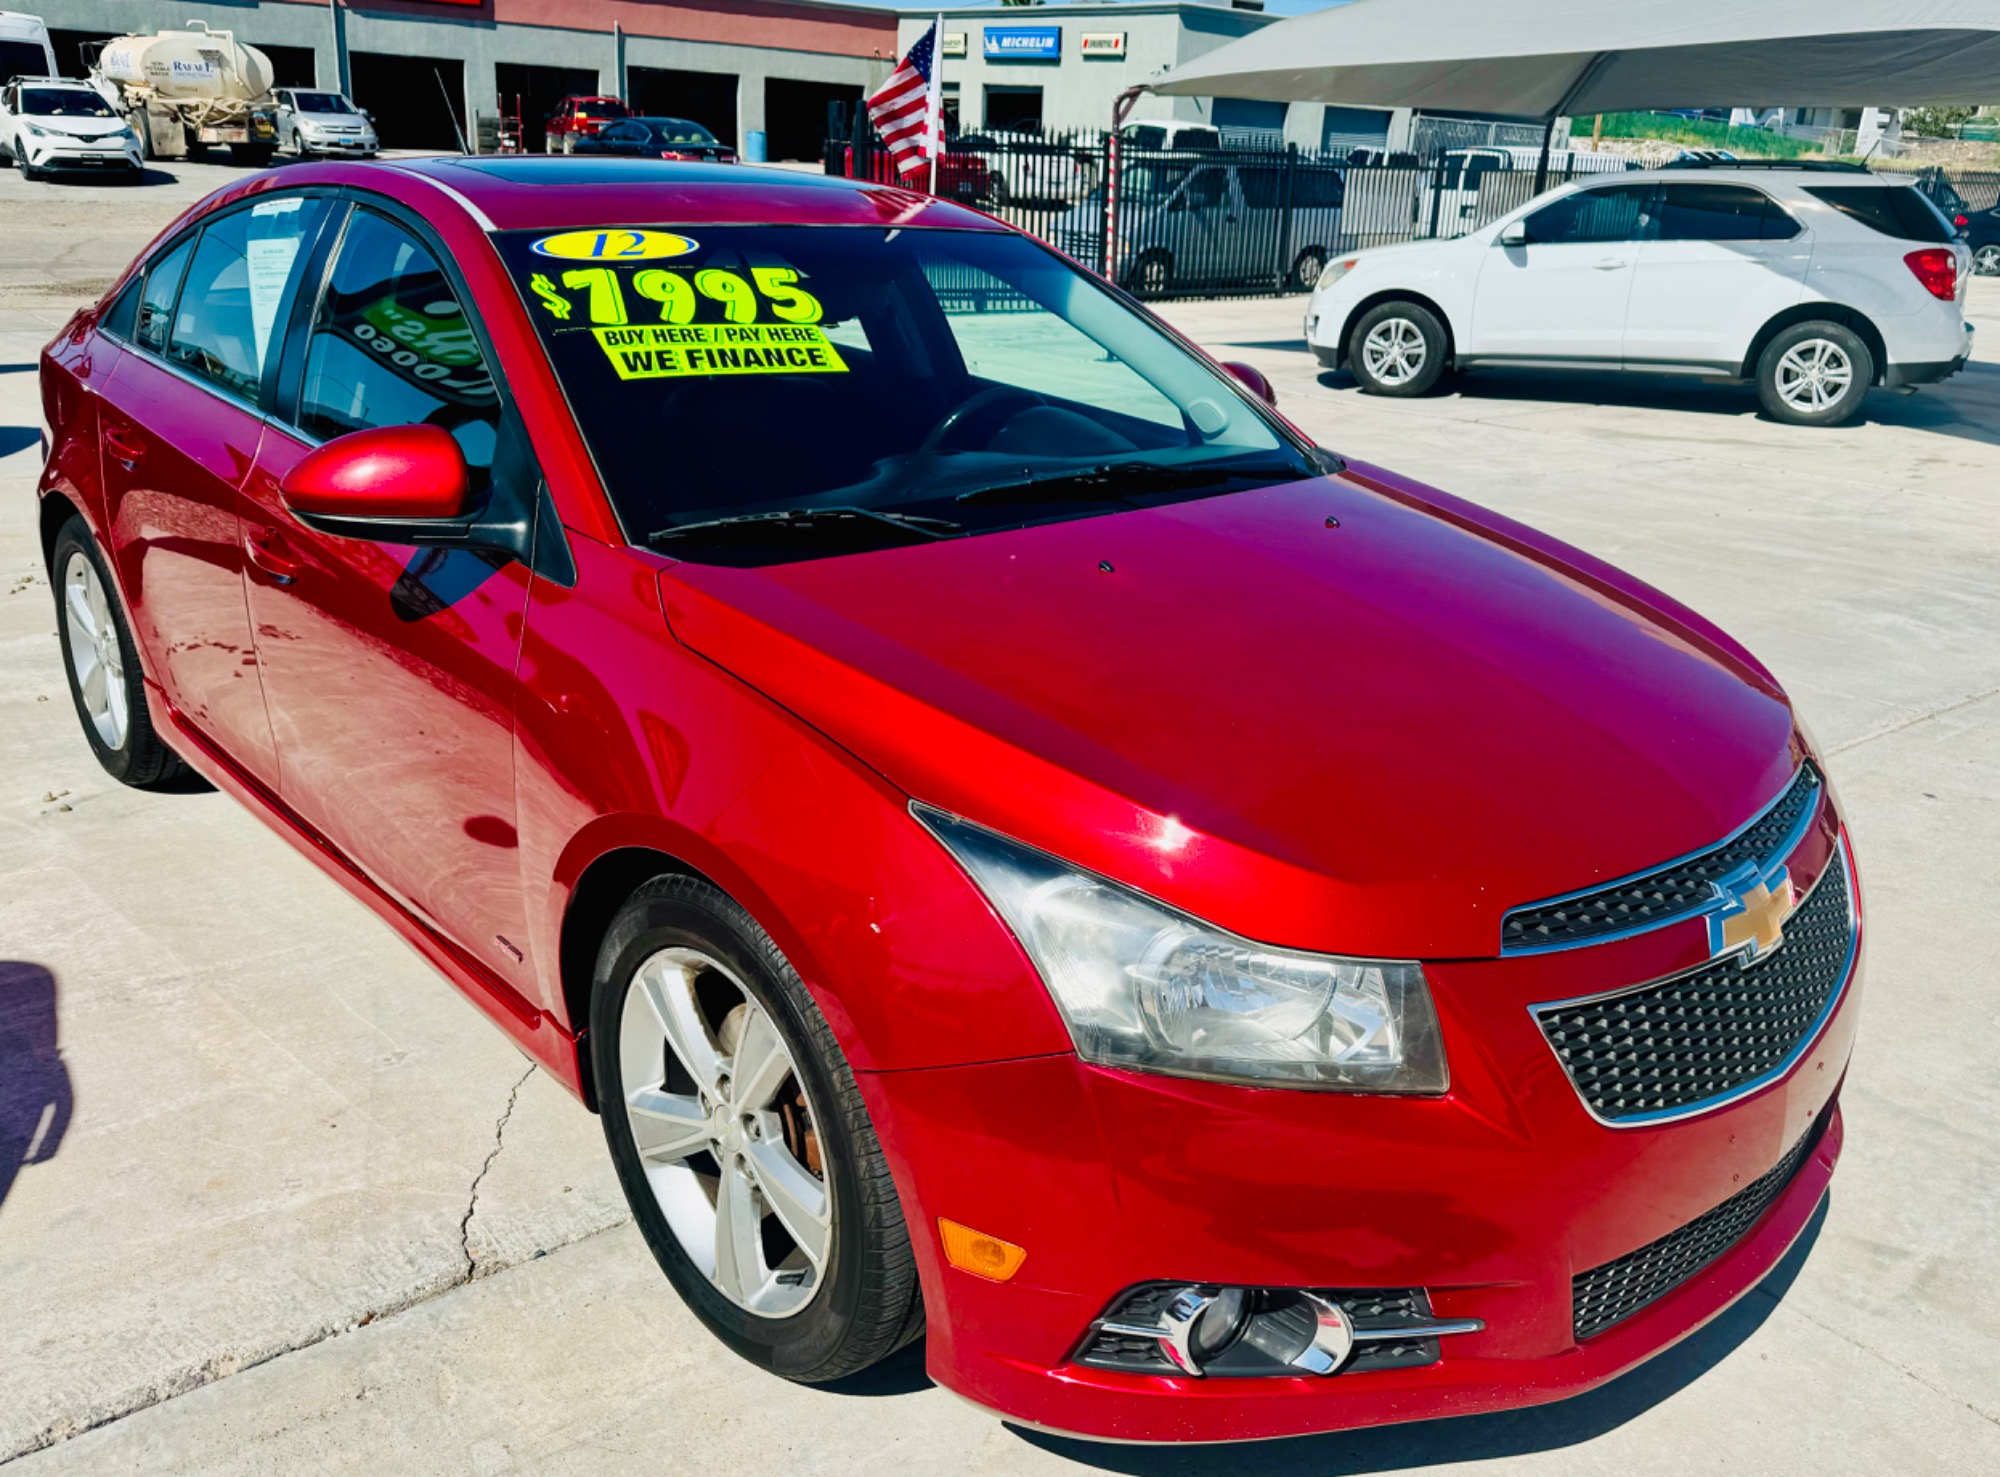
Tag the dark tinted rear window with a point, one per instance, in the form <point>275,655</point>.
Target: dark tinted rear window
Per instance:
<point>1897,210</point>
<point>1714,212</point>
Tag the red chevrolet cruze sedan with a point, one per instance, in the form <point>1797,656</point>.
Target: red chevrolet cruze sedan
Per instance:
<point>1013,840</point>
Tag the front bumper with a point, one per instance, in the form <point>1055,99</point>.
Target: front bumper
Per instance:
<point>1491,1198</point>
<point>44,155</point>
<point>357,146</point>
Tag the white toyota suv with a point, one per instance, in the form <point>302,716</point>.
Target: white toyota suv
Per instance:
<point>49,125</point>
<point>1815,282</point>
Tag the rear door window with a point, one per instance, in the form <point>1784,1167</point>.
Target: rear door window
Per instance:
<point>1716,212</point>
<point>156,303</point>
<point>242,268</point>
<point>1893,210</point>
<point>1618,213</point>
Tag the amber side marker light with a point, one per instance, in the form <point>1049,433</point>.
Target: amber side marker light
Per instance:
<point>981,1255</point>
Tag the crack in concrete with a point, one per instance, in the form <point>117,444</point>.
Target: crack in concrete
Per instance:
<point>221,1366</point>
<point>472,1195</point>
<point>1915,719</point>
<point>1883,1358</point>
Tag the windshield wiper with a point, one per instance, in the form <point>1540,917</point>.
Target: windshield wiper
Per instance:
<point>804,520</point>
<point>1114,481</point>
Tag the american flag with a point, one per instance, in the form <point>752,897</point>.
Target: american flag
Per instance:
<point>902,108</point>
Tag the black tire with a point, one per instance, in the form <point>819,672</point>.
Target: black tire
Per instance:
<point>251,156</point>
<point>1424,344</point>
<point>298,147</point>
<point>1152,274</point>
<point>1784,374</point>
<point>141,760</point>
<point>1986,260</point>
<point>867,1304</point>
<point>999,194</point>
<point>1305,271</point>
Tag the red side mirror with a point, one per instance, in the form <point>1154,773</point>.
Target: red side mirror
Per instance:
<point>391,472</point>
<point>1252,380</point>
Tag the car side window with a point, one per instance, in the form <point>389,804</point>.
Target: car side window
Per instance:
<point>1717,212</point>
<point>224,321</point>
<point>1209,187</point>
<point>156,303</point>
<point>391,346</point>
<point>1604,215</point>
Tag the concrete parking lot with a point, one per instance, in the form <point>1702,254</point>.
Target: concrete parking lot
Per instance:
<point>274,1198</point>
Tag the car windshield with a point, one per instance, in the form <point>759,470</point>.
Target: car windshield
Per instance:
<point>320,102</point>
<point>1144,182</point>
<point>63,102</point>
<point>757,394</point>
<point>680,131</point>
<point>600,110</point>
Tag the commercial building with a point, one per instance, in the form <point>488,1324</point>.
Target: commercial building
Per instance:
<point>1058,68</point>
<point>431,69</point>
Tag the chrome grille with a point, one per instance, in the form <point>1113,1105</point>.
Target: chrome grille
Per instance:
<point>1668,893</point>
<point>1686,1044</point>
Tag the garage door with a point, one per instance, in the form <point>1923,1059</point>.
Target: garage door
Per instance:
<point>707,98</point>
<point>415,99</point>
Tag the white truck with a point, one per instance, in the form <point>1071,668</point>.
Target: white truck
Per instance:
<point>24,47</point>
<point>183,91</point>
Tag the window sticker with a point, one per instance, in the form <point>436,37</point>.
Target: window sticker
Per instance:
<point>678,351</point>
<point>620,245</point>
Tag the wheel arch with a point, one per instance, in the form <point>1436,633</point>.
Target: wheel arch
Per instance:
<point>599,892</point>
<point>56,510</point>
<point>1393,295</point>
<point>1850,318</point>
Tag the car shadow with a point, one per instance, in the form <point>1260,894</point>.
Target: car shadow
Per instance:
<point>35,1097</point>
<point>1463,1438</point>
<point>902,1373</point>
<point>1966,406</point>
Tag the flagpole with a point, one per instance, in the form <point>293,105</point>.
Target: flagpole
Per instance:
<point>934,105</point>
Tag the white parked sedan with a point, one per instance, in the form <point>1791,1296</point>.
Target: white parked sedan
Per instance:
<point>49,125</point>
<point>1815,283</point>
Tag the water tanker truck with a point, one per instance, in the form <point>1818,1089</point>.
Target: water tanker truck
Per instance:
<point>183,91</point>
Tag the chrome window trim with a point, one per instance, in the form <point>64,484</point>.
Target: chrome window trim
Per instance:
<point>1807,1039</point>
<point>1779,853</point>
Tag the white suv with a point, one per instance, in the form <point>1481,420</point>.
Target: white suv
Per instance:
<point>48,125</point>
<point>1817,283</point>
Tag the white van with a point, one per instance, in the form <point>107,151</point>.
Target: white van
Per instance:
<point>1167,134</point>
<point>24,47</point>
<point>1478,185</point>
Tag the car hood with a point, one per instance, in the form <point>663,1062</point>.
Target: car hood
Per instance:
<point>1370,738</point>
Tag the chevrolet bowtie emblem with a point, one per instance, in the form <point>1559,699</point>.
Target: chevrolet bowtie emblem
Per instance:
<point>1749,917</point>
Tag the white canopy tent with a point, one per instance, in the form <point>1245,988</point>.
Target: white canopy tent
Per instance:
<point>1549,59</point>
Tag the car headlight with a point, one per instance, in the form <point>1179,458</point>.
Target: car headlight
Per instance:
<point>37,130</point>
<point>1332,272</point>
<point>1143,985</point>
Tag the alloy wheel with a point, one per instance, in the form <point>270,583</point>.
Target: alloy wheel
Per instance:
<point>1986,261</point>
<point>1813,375</point>
<point>729,1140</point>
<point>96,660</point>
<point>1394,351</point>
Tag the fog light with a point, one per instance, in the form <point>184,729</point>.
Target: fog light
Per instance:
<point>1167,1328</point>
<point>981,1255</point>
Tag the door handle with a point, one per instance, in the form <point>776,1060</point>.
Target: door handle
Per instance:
<point>266,548</point>
<point>126,449</point>
<point>1613,264</point>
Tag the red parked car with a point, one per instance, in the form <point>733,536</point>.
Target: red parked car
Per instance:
<point>960,176</point>
<point>1014,841</point>
<point>579,118</point>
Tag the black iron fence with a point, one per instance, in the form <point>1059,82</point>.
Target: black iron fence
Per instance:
<point>1220,222</point>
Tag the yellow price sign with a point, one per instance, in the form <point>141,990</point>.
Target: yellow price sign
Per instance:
<point>681,350</point>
